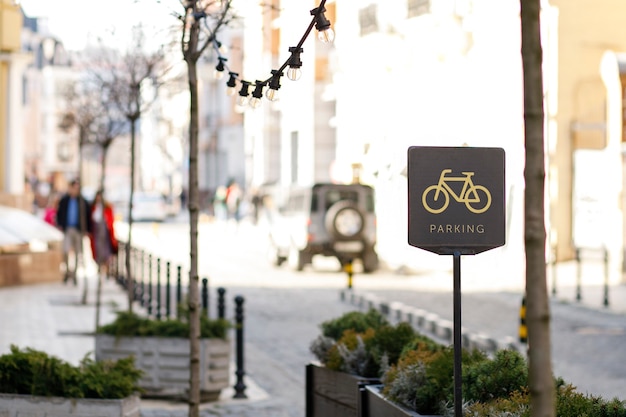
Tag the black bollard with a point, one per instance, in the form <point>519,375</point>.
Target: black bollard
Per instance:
<point>578,275</point>
<point>205,296</point>
<point>149,301</point>
<point>136,264</point>
<point>120,264</point>
<point>240,387</point>
<point>142,298</point>
<point>221,305</point>
<point>167,289</point>
<point>606,277</point>
<point>158,290</point>
<point>179,290</point>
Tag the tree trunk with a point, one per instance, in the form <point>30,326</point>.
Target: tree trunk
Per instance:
<point>192,202</point>
<point>82,216</point>
<point>129,278</point>
<point>103,166</point>
<point>540,380</point>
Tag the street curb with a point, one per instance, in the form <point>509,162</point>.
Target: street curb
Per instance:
<point>430,324</point>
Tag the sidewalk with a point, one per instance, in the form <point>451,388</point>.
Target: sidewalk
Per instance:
<point>52,318</point>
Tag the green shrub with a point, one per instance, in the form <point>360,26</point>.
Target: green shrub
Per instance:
<point>32,372</point>
<point>354,320</point>
<point>130,324</point>
<point>367,344</point>
<point>439,388</point>
<point>485,380</point>
<point>568,403</point>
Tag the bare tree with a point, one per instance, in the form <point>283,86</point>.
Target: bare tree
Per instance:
<point>540,380</point>
<point>201,21</point>
<point>98,124</point>
<point>125,81</point>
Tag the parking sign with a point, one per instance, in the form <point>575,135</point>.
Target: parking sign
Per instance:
<point>456,199</point>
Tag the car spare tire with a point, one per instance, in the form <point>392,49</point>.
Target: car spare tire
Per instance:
<point>344,221</point>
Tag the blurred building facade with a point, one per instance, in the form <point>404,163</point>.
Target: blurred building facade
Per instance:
<point>12,65</point>
<point>448,73</point>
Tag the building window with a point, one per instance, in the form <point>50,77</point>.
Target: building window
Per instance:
<point>368,20</point>
<point>418,7</point>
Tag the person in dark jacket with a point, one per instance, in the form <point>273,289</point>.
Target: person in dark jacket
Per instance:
<point>74,219</point>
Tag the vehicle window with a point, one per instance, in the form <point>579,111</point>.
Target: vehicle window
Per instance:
<point>333,196</point>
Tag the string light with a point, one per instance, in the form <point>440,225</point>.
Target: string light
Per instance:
<point>231,84</point>
<point>292,65</point>
<point>242,100</point>
<point>324,32</point>
<point>219,68</point>
<point>294,72</point>
<point>257,94</point>
<point>272,92</point>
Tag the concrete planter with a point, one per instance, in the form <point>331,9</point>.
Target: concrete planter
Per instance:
<point>165,363</point>
<point>373,404</point>
<point>333,394</point>
<point>13,405</point>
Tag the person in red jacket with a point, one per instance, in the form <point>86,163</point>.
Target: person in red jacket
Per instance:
<point>102,236</point>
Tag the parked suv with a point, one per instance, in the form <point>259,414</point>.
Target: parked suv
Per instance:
<point>325,219</point>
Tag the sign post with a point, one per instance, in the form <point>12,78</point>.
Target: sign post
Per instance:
<point>456,207</point>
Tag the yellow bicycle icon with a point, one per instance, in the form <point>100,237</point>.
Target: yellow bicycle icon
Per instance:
<point>477,198</point>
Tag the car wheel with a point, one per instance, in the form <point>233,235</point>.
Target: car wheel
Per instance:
<point>273,255</point>
<point>370,261</point>
<point>344,220</point>
<point>297,260</point>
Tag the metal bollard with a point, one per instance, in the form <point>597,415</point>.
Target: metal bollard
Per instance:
<point>240,387</point>
<point>149,301</point>
<point>120,264</point>
<point>205,296</point>
<point>136,289</point>
<point>142,290</point>
<point>167,290</point>
<point>221,305</point>
<point>578,276</point>
<point>179,290</point>
<point>158,290</point>
<point>523,329</point>
<point>606,277</point>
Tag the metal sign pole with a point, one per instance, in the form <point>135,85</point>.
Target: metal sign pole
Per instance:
<point>458,381</point>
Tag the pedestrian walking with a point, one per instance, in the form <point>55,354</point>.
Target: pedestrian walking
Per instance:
<point>102,235</point>
<point>233,200</point>
<point>50,213</point>
<point>74,221</point>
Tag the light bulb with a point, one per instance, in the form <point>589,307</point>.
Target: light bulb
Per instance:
<point>326,36</point>
<point>242,101</point>
<point>218,75</point>
<point>230,91</point>
<point>255,102</point>
<point>272,95</point>
<point>294,73</point>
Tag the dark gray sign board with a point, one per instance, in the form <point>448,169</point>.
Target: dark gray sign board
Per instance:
<point>456,199</point>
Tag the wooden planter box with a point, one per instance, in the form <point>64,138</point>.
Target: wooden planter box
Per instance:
<point>373,404</point>
<point>333,394</point>
<point>165,363</point>
<point>13,405</point>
